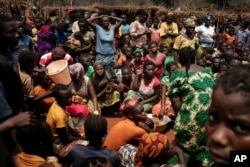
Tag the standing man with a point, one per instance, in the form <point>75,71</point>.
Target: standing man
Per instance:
<point>168,29</point>
<point>12,108</point>
<point>105,34</point>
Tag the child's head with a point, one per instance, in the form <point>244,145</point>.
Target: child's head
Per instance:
<point>148,69</point>
<point>171,67</point>
<point>145,48</point>
<point>44,80</point>
<point>128,51</point>
<point>58,53</point>
<point>60,28</point>
<point>124,17</point>
<point>133,110</point>
<point>238,47</point>
<point>223,67</point>
<point>126,39</point>
<point>36,140</point>
<point>105,22</point>
<point>84,59</point>
<point>164,48</point>
<point>62,94</point>
<point>227,126</point>
<point>83,25</point>
<point>156,22</point>
<point>234,62</point>
<point>138,53</point>
<point>78,36</point>
<point>27,61</point>
<point>95,130</point>
<point>244,56</point>
<point>126,72</point>
<point>153,46</point>
<point>99,68</point>
<point>231,30</point>
<point>215,64</point>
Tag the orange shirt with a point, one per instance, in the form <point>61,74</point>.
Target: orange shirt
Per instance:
<point>122,133</point>
<point>230,39</point>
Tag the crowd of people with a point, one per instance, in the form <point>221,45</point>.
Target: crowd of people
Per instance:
<point>193,69</point>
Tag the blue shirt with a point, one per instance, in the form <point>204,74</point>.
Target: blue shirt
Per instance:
<point>24,44</point>
<point>105,40</point>
<point>61,38</point>
<point>243,36</point>
<point>125,28</point>
<point>80,153</point>
<point>5,109</point>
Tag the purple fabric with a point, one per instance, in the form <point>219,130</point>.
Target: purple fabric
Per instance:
<point>45,44</point>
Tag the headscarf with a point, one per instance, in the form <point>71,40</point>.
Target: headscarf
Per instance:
<point>127,106</point>
<point>189,22</point>
<point>76,70</point>
<point>151,146</point>
<point>138,50</point>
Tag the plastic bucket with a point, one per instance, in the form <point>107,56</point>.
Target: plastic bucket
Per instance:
<point>58,72</point>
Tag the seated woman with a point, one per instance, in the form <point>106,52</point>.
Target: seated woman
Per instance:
<point>131,128</point>
<point>84,99</point>
<point>104,86</point>
<point>164,107</point>
<point>146,87</point>
<point>95,131</point>
<point>154,149</point>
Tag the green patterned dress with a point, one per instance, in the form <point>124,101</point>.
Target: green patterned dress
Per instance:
<point>195,92</point>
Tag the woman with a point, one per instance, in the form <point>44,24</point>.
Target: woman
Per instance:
<point>84,100</point>
<point>187,39</point>
<point>190,91</point>
<point>145,87</point>
<point>139,30</point>
<point>104,86</point>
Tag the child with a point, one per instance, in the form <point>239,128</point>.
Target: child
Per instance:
<point>61,36</point>
<point>156,57</point>
<point>75,42</point>
<point>227,125</point>
<point>131,129</point>
<point>95,131</point>
<point>44,86</point>
<point>126,57</point>
<point>230,37</point>
<point>84,59</point>
<point>125,81</point>
<point>155,31</point>
<point>137,63</point>
<point>168,52</point>
<point>244,57</point>
<point>58,116</point>
<point>27,62</point>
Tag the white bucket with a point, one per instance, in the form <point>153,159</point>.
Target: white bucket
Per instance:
<point>58,72</point>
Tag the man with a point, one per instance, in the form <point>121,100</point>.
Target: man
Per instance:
<point>168,30</point>
<point>11,93</point>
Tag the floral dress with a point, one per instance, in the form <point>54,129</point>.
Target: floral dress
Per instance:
<point>195,91</point>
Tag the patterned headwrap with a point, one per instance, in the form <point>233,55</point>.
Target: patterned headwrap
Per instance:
<point>189,22</point>
<point>151,146</point>
<point>138,50</point>
<point>126,107</point>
